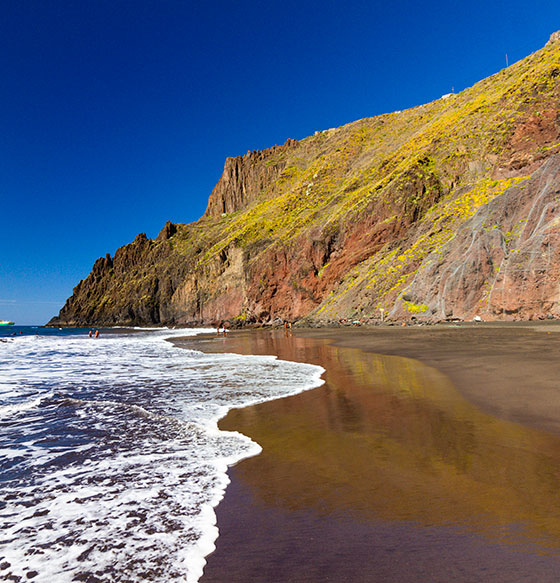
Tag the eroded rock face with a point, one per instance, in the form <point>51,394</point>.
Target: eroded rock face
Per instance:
<point>520,157</point>
<point>134,287</point>
<point>447,210</point>
<point>504,262</point>
<point>244,178</point>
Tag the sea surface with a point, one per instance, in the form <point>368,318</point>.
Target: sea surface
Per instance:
<point>111,462</point>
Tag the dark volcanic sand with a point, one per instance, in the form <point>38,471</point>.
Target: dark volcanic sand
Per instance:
<point>387,472</point>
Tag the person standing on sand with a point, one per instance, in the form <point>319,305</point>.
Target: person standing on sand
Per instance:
<point>97,333</point>
<point>90,334</point>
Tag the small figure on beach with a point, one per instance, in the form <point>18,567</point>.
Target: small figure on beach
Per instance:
<point>222,329</point>
<point>287,327</point>
<point>90,334</point>
<point>97,333</point>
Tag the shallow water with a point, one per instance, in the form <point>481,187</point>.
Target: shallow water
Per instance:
<point>110,458</point>
<point>385,473</point>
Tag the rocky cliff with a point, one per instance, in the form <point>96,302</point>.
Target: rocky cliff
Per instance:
<point>446,210</point>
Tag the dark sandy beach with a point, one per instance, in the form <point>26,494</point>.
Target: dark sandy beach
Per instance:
<point>430,454</point>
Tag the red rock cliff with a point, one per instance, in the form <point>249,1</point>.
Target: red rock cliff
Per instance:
<point>445,210</point>
<point>245,178</point>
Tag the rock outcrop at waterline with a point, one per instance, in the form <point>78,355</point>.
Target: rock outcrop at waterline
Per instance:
<point>446,210</point>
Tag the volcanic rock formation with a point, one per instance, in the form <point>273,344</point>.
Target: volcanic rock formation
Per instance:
<point>446,210</point>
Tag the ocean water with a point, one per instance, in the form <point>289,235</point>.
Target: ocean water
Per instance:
<point>111,462</point>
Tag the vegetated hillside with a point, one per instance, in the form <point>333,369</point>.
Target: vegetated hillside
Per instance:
<point>446,210</point>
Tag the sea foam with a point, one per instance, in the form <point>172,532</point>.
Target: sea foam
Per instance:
<point>111,460</point>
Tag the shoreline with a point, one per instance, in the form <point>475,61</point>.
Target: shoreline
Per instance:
<point>509,370</point>
<point>359,458</point>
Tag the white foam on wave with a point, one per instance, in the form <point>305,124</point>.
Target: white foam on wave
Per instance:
<point>23,405</point>
<point>142,501</point>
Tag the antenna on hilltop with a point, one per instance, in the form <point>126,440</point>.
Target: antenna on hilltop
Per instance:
<point>507,63</point>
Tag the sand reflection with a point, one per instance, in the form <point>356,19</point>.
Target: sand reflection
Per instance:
<point>389,438</point>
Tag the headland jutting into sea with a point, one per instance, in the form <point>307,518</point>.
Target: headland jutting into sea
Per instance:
<point>431,452</point>
<point>444,211</point>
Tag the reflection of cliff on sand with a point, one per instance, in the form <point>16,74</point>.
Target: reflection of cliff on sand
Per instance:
<point>390,438</point>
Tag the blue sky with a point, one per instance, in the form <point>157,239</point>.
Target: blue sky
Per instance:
<point>116,116</point>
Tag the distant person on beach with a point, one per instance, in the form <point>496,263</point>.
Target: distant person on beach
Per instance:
<point>287,327</point>
<point>97,333</point>
<point>90,333</point>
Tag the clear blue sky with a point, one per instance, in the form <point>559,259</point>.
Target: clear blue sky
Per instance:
<point>116,116</point>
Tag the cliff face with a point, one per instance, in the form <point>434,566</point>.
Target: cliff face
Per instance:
<point>135,286</point>
<point>500,263</point>
<point>245,178</point>
<point>449,209</point>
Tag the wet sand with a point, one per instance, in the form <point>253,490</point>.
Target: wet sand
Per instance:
<point>509,370</point>
<point>435,457</point>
